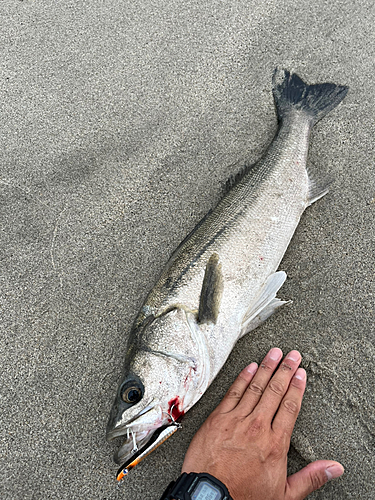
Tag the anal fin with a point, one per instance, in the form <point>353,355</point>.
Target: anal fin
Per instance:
<point>317,190</point>
<point>266,303</point>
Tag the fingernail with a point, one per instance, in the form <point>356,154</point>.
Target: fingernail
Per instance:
<point>334,471</point>
<point>275,354</point>
<point>294,356</point>
<point>300,374</point>
<point>252,368</point>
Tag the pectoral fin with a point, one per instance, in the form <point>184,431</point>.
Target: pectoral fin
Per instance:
<point>266,303</point>
<point>212,290</point>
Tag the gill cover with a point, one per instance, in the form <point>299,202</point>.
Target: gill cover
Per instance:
<point>167,366</point>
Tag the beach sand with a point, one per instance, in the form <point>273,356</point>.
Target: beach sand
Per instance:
<point>121,122</point>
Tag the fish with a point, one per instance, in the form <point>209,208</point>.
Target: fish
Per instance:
<point>222,280</point>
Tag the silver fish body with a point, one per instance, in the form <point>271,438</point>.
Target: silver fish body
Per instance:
<point>221,282</point>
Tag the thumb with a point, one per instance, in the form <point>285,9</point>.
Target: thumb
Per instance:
<point>311,478</point>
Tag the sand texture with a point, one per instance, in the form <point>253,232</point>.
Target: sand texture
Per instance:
<point>121,122</point>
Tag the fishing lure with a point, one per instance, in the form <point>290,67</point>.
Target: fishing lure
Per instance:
<point>159,437</point>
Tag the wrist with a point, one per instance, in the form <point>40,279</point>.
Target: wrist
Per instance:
<point>196,486</point>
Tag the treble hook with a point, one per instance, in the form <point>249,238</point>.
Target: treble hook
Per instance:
<point>170,415</point>
<point>135,446</point>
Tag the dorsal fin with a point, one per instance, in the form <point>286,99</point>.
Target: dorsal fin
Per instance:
<point>238,176</point>
<point>212,290</point>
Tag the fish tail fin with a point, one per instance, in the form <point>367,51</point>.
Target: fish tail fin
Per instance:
<point>292,94</point>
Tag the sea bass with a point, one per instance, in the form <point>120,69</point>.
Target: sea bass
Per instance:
<point>221,282</point>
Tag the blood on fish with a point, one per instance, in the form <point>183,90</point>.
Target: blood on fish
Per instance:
<point>174,410</point>
<point>186,381</point>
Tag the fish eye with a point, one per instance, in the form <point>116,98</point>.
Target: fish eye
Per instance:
<point>132,395</point>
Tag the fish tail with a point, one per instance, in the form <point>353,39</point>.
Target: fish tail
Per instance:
<point>292,94</point>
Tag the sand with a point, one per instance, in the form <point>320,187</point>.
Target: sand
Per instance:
<point>121,122</point>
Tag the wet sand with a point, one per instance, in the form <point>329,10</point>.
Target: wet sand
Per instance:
<point>121,122</point>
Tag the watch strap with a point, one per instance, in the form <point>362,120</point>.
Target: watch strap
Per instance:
<point>182,488</point>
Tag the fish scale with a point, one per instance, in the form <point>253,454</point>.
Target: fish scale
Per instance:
<point>222,281</point>
<point>256,218</point>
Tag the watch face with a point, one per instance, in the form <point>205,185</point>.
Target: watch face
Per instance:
<point>206,491</point>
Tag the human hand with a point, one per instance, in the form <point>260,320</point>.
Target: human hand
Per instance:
<point>245,441</point>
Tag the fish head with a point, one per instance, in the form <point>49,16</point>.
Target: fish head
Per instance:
<point>134,417</point>
<point>161,381</point>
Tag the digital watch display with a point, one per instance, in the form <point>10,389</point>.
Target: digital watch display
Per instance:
<point>206,491</point>
<point>196,486</point>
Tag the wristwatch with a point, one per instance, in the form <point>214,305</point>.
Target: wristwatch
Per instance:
<point>196,486</point>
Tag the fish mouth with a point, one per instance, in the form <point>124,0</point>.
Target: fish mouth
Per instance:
<point>138,431</point>
<point>123,430</point>
<point>130,446</point>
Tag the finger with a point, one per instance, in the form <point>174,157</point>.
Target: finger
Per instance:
<point>278,385</point>
<point>239,386</point>
<point>311,478</point>
<point>285,418</point>
<point>258,384</point>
